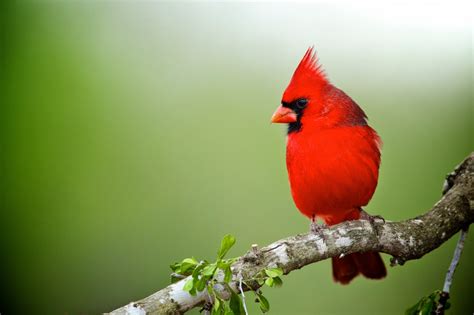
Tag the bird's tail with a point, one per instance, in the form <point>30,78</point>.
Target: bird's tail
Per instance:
<point>369,264</point>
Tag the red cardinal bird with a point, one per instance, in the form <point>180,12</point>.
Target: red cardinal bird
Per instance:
<point>332,157</point>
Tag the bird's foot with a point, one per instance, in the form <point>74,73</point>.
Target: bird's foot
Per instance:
<point>317,228</point>
<point>371,218</point>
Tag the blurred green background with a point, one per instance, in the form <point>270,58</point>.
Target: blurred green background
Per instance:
<point>134,134</point>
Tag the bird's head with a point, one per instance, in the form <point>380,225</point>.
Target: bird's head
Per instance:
<point>303,94</point>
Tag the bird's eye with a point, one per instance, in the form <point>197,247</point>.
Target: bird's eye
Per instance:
<point>301,103</point>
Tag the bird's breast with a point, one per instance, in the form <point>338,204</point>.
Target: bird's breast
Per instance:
<point>332,170</point>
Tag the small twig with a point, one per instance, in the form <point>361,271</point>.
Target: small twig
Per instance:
<point>242,292</point>
<point>177,275</point>
<point>255,249</point>
<point>444,296</point>
<point>455,261</point>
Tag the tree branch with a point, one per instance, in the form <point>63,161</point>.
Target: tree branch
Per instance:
<point>404,240</point>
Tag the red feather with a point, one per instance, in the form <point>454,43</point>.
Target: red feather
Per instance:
<point>332,160</point>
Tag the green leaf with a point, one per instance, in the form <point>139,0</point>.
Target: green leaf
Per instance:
<point>188,264</point>
<point>264,305</point>
<point>176,267</point>
<point>209,270</point>
<point>185,267</point>
<point>425,306</point>
<point>428,307</point>
<point>198,269</point>
<point>269,282</point>
<point>216,307</point>
<point>222,264</point>
<point>277,282</point>
<point>191,261</point>
<point>227,242</point>
<point>412,310</point>
<point>210,289</point>
<point>274,272</point>
<point>201,284</point>
<point>226,309</point>
<point>189,285</point>
<point>235,304</point>
<point>415,309</point>
<point>232,260</point>
<point>227,274</point>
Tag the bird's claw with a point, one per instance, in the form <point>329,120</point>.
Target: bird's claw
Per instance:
<point>371,218</point>
<point>317,229</point>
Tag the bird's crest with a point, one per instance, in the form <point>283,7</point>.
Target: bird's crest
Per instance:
<point>309,68</point>
<point>307,77</point>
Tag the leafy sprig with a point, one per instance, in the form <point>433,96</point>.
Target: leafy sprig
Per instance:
<point>203,275</point>
<point>428,304</point>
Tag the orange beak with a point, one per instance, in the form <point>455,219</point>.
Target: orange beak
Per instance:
<point>283,115</point>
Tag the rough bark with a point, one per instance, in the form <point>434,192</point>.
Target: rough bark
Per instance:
<point>404,240</point>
